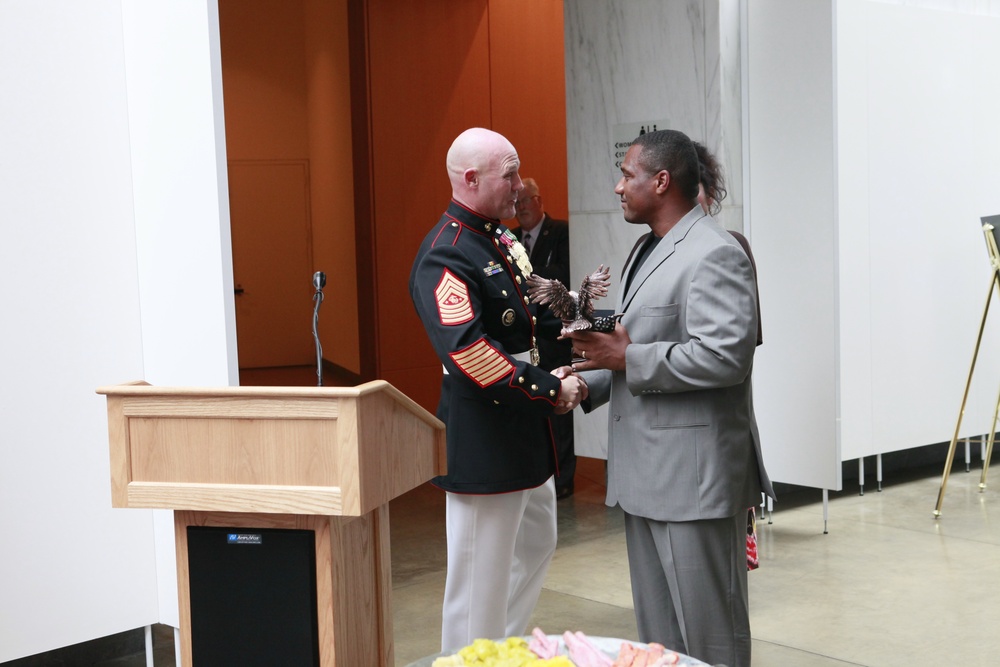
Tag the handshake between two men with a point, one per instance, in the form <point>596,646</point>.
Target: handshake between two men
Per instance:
<point>598,342</point>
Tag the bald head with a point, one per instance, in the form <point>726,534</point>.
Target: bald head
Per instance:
<point>482,167</point>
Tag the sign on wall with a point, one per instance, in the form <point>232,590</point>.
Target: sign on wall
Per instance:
<point>624,134</point>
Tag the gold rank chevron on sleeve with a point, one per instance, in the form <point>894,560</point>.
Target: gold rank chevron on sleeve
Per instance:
<point>482,362</point>
<point>454,306</point>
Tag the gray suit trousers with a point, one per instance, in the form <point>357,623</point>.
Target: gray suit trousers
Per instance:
<point>689,586</point>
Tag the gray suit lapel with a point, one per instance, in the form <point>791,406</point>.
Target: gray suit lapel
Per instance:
<point>664,249</point>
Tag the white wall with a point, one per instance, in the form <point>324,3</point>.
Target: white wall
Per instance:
<point>113,267</point>
<point>180,189</point>
<point>872,144</point>
<point>918,92</point>
<point>792,215</point>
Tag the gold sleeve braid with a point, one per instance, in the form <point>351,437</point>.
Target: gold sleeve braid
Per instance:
<point>483,363</point>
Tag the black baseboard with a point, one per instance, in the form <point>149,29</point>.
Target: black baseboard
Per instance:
<point>904,464</point>
<point>123,649</point>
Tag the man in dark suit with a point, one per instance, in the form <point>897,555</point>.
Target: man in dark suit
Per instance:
<point>684,460</point>
<point>547,243</point>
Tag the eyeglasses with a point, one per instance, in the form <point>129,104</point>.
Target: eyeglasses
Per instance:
<point>521,201</point>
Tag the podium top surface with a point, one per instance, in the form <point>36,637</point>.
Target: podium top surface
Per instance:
<point>301,450</point>
<point>141,388</point>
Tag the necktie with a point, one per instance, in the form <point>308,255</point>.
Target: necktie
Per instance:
<point>526,242</point>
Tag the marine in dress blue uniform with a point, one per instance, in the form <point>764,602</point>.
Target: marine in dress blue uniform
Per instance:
<point>470,293</point>
<point>468,285</point>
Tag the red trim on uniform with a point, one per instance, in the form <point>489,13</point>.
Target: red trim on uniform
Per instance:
<point>541,397</point>
<point>475,213</point>
<point>444,227</point>
<point>555,449</point>
<point>521,287</point>
<point>470,493</point>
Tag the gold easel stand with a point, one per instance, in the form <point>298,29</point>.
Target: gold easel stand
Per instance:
<point>991,246</point>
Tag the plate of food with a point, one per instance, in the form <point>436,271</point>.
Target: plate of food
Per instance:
<point>570,649</point>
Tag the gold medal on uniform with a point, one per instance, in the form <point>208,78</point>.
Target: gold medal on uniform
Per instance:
<point>521,258</point>
<point>517,251</point>
<point>508,317</point>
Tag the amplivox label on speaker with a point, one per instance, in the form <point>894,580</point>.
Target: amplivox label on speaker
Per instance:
<point>244,538</point>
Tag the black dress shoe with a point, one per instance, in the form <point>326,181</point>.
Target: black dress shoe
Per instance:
<point>565,492</point>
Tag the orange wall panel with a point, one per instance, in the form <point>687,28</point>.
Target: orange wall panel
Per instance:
<point>286,87</point>
<point>264,79</point>
<point>528,83</point>
<point>437,68</point>
<point>328,107</point>
<point>429,80</point>
<point>434,68</point>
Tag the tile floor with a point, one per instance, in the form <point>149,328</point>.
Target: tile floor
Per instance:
<point>887,586</point>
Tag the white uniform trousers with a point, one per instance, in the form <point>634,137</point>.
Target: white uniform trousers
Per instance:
<point>499,549</point>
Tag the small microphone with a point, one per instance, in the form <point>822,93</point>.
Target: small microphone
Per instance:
<point>319,282</point>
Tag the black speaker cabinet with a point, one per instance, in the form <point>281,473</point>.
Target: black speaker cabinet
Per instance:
<point>253,597</point>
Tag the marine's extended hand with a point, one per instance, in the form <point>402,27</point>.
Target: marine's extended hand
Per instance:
<point>600,350</point>
<point>572,390</point>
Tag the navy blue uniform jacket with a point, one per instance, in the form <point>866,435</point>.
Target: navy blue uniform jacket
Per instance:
<point>471,296</point>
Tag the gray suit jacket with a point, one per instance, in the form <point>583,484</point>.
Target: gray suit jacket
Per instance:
<point>682,437</point>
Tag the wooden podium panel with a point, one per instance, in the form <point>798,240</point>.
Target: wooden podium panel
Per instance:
<point>327,460</point>
<point>286,450</point>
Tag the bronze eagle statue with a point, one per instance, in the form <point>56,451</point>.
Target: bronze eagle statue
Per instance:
<point>575,309</point>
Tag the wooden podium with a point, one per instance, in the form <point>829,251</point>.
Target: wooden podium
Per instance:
<point>319,459</point>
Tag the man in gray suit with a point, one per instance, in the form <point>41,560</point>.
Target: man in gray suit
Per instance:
<point>684,459</point>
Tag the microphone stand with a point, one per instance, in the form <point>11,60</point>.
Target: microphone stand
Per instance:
<point>319,280</point>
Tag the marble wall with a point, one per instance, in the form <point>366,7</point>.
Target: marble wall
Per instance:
<point>635,65</point>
